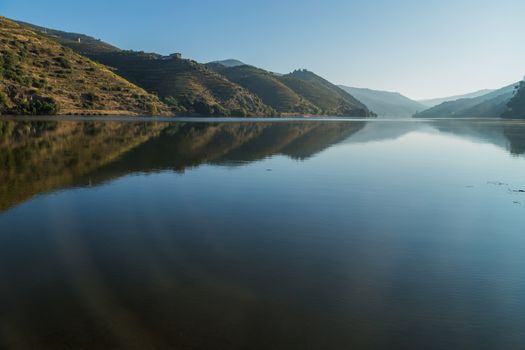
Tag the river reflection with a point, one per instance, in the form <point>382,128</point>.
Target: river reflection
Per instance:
<point>274,235</point>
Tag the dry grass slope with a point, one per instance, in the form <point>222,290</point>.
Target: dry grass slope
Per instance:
<point>38,75</point>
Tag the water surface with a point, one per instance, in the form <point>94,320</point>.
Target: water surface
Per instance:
<point>268,235</point>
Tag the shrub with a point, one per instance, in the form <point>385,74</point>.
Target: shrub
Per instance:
<point>4,101</point>
<point>89,99</point>
<point>37,105</point>
<point>151,108</point>
<point>203,108</point>
<point>241,112</point>
<point>174,105</point>
<point>8,65</point>
<point>220,111</point>
<point>40,83</point>
<point>10,60</point>
<point>62,62</point>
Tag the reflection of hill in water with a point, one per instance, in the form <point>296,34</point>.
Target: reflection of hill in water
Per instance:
<point>379,130</point>
<point>185,145</point>
<point>516,136</point>
<point>509,135</point>
<point>40,157</point>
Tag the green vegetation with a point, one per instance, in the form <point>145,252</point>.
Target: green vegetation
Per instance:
<point>221,88</point>
<point>39,76</point>
<point>490,105</point>
<point>300,92</point>
<point>330,99</point>
<point>269,88</point>
<point>185,85</point>
<point>35,105</point>
<point>516,106</point>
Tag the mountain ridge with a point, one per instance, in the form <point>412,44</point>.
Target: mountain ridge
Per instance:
<point>331,99</point>
<point>385,103</point>
<point>437,101</point>
<point>490,105</point>
<point>189,87</point>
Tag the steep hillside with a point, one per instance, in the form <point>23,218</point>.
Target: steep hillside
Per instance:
<point>437,101</point>
<point>269,88</point>
<point>385,103</point>
<point>300,92</point>
<point>486,106</point>
<point>221,88</point>
<point>331,99</point>
<point>516,106</point>
<point>185,85</point>
<point>40,76</point>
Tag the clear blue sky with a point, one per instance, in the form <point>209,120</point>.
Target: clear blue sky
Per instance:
<point>422,48</point>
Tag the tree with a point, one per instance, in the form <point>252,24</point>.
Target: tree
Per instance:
<point>516,106</point>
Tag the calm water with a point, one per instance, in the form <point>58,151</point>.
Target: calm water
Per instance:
<point>290,235</point>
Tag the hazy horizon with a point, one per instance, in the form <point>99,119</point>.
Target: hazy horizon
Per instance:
<point>422,50</point>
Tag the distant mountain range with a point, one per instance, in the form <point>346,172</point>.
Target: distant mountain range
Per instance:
<point>385,103</point>
<point>190,88</point>
<point>490,105</point>
<point>437,101</point>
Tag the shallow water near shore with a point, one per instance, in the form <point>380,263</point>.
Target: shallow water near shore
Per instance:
<point>292,234</point>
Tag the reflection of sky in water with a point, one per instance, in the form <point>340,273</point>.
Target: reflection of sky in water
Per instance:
<point>413,241</point>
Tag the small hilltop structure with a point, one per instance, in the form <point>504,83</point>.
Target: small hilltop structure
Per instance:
<point>173,56</point>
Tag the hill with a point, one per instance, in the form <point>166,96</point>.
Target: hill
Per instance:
<point>221,88</point>
<point>330,99</point>
<point>185,85</point>
<point>437,101</point>
<point>490,105</point>
<point>516,106</point>
<point>300,92</point>
<point>269,88</point>
<point>385,103</point>
<point>40,76</point>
